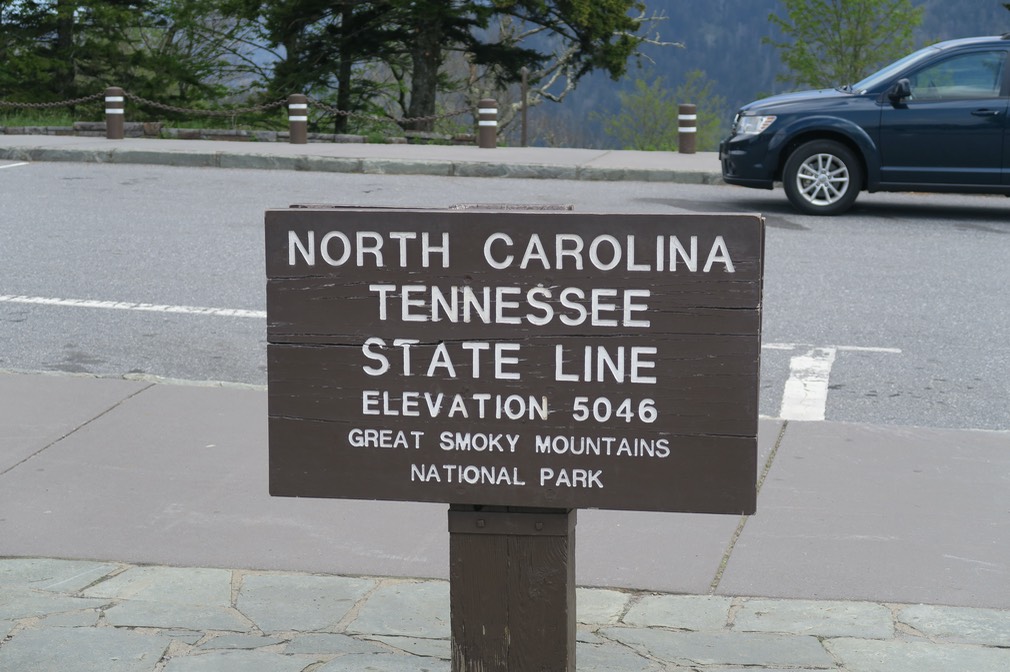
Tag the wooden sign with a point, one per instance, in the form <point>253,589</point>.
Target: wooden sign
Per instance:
<point>534,359</point>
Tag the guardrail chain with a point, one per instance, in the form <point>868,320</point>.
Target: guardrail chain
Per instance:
<point>47,106</point>
<point>374,117</point>
<point>297,112</point>
<point>230,112</point>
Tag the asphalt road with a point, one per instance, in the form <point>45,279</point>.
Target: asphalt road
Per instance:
<point>899,310</point>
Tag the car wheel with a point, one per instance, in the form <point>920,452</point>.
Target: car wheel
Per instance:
<point>822,177</point>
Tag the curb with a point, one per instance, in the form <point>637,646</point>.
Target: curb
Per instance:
<point>365,166</point>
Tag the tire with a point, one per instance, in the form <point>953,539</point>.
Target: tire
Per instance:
<point>822,177</point>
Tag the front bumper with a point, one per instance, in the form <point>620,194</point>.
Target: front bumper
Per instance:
<point>747,162</point>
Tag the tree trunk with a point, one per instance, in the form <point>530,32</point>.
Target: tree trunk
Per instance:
<point>65,72</point>
<point>426,55</point>
<point>344,70</point>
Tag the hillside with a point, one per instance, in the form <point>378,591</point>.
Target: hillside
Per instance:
<point>724,39</point>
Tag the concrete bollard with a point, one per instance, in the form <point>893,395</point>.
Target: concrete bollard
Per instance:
<point>687,131</point>
<point>487,123</point>
<point>298,119</point>
<point>115,104</point>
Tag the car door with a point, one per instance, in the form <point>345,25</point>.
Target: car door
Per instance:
<point>950,130</point>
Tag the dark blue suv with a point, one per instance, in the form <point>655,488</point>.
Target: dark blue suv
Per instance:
<point>935,120</point>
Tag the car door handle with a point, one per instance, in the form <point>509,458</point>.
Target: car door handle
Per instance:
<point>985,113</point>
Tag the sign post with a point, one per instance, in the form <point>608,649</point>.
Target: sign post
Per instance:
<point>512,588</point>
<point>517,366</point>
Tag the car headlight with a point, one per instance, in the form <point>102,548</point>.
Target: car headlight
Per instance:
<point>753,124</point>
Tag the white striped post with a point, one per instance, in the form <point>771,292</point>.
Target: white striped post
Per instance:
<point>115,104</point>
<point>687,131</point>
<point>298,119</point>
<point>487,123</point>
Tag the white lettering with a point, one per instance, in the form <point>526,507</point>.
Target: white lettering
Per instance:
<point>535,251</point>
<point>480,405</point>
<point>630,307</point>
<point>492,262</point>
<point>308,252</point>
<point>440,360</point>
<point>632,266</point>
<point>324,248</point>
<point>424,473</point>
<point>719,253</point>
<point>427,249</point>
<point>403,237</point>
<point>366,349</point>
<point>479,442</point>
<point>690,260</point>
<point>501,361</point>
<point>384,438</point>
<point>574,251</point>
<point>600,364</point>
<point>375,248</point>
<point>594,252</point>
<point>406,303</point>
<point>571,478</point>
<point>384,291</point>
<point>604,252</point>
<point>596,446</point>
<point>471,474</point>
<point>601,307</point>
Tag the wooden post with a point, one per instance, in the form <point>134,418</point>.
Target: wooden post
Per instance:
<point>688,129</point>
<point>298,118</point>
<point>115,102</point>
<point>487,123</point>
<point>512,589</point>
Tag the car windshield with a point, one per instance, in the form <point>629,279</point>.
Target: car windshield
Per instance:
<point>881,76</point>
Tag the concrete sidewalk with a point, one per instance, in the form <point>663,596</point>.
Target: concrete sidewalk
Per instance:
<point>392,159</point>
<point>873,549</point>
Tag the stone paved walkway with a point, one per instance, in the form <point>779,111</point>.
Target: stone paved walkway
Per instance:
<point>80,616</point>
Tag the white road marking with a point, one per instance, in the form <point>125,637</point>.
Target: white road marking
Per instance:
<point>125,305</point>
<point>14,165</point>
<point>804,396</point>
<point>844,348</point>
<point>806,392</point>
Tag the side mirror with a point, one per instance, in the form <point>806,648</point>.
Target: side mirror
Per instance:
<point>900,90</point>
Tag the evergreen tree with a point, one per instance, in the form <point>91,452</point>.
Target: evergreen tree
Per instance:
<point>579,36</point>
<point>175,51</point>
<point>836,42</point>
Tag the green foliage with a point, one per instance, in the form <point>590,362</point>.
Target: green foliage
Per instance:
<point>353,54</point>
<point>173,51</point>
<point>836,42</point>
<point>382,58</point>
<point>55,117</point>
<point>648,117</point>
<point>713,112</point>
<point>604,31</point>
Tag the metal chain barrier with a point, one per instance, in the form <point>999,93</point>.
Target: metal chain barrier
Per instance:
<point>115,96</point>
<point>373,117</point>
<point>46,106</point>
<point>265,107</point>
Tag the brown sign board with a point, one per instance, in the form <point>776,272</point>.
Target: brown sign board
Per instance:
<point>511,358</point>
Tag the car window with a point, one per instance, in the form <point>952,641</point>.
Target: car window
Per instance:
<point>975,75</point>
<point>884,75</point>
